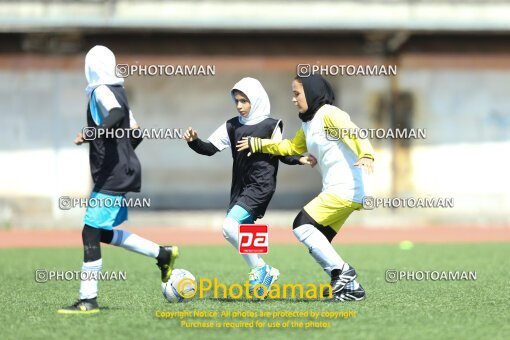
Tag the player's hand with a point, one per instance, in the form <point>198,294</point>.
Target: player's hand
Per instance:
<point>368,163</point>
<point>190,135</point>
<point>79,139</point>
<point>243,144</point>
<point>132,121</point>
<point>308,160</point>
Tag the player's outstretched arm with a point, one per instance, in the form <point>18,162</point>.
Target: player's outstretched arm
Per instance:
<point>190,135</point>
<point>198,145</point>
<point>291,160</point>
<point>308,160</point>
<point>341,122</point>
<point>115,116</point>
<point>368,163</point>
<point>278,136</point>
<point>299,160</point>
<point>286,147</point>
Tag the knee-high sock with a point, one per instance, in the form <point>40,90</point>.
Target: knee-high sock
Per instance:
<point>133,242</point>
<point>231,234</point>
<point>89,274</point>
<point>319,247</point>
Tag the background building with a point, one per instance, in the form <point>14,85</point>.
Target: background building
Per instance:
<point>453,79</point>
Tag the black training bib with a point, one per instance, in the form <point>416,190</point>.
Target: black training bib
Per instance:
<point>254,177</point>
<point>114,166</point>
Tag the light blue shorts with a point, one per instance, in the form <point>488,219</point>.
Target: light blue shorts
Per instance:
<point>240,214</point>
<point>101,213</point>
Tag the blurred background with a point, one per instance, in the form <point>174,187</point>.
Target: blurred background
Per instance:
<point>453,79</point>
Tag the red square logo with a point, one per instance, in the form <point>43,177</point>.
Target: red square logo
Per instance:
<point>253,239</point>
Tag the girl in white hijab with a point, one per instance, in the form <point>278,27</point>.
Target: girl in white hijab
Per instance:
<point>115,171</point>
<point>253,178</point>
<point>100,69</point>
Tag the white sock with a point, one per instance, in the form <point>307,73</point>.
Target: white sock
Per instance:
<point>231,234</point>
<point>90,270</point>
<point>133,242</point>
<point>319,247</point>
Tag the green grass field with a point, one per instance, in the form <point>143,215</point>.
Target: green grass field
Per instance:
<point>406,309</point>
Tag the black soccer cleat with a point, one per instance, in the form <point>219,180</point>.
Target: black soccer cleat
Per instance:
<point>166,261</point>
<point>346,294</point>
<point>341,277</point>
<point>84,306</point>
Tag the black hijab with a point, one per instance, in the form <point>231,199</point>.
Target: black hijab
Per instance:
<point>317,92</point>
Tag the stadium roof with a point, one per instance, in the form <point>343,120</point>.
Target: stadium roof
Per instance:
<point>409,15</point>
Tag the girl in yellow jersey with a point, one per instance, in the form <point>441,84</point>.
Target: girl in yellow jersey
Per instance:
<point>328,134</point>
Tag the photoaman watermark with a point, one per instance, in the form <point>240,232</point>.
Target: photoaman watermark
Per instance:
<point>259,291</point>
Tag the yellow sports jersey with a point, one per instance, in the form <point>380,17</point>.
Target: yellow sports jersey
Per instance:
<point>327,138</point>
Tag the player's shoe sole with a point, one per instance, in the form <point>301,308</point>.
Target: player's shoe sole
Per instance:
<point>167,267</point>
<point>81,307</point>
<point>66,311</point>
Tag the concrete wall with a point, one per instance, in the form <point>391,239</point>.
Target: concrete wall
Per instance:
<point>465,110</point>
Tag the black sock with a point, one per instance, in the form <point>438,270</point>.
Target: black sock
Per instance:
<point>106,236</point>
<point>163,255</point>
<point>91,238</point>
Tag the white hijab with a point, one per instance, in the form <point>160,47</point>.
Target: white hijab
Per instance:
<point>259,100</point>
<point>100,68</point>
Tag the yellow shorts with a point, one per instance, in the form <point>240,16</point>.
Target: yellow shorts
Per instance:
<point>328,209</point>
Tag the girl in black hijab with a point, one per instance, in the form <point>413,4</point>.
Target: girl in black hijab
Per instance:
<point>339,158</point>
<point>318,92</point>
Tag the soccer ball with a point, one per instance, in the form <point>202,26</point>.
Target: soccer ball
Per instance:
<point>181,287</point>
